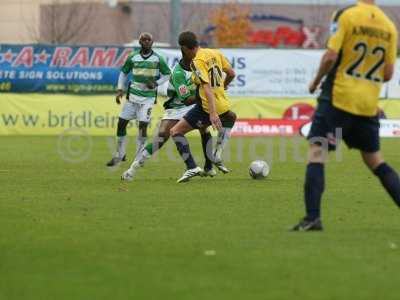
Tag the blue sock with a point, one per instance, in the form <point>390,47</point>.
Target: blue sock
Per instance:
<point>313,188</point>
<point>207,149</point>
<point>184,150</point>
<point>390,181</point>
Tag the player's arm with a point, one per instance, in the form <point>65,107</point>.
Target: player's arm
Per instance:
<point>230,75</point>
<point>228,70</point>
<point>327,62</point>
<point>121,86</point>
<point>391,57</point>
<point>337,35</point>
<point>212,109</point>
<point>201,77</point>
<point>123,76</point>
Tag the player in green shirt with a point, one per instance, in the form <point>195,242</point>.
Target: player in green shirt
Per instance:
<point>181,98</point>
<point>149,70</point>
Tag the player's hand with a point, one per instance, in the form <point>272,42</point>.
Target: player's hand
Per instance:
<point>313,86</point>
<point>215,122</point>
<point>120,94</point>
<point>151,85</point>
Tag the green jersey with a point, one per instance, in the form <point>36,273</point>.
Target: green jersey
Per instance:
<point>180,87</point>
<point>144,70</point>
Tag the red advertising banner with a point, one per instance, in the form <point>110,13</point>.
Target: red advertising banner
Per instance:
<point>267,127</point>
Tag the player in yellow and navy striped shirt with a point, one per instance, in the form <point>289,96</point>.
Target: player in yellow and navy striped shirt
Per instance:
<point>361,55</point>
<point>208,66</point>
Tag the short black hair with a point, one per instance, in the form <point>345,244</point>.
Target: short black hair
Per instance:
<point>188,39</point>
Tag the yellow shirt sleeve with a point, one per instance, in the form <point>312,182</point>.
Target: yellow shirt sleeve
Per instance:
<point>226,65</point>
<point>200,74</point>
<point>391,55</point>
<point>338,30</point>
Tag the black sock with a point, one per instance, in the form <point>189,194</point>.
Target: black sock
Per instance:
<point>313,188</point>
<point>184,150</point>
<point>390,181</point>
<point>206,142</point>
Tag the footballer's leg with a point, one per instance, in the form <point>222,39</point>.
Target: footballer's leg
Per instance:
<point>142,136</point>
<point>144,116</point>
<point>314,182</point>
<point>122,140</point>
<point>228,120</point>
<point>128,112</point>
<point>388,177</point>
<point>365,137</point>
<point>159,140</point>
<point>206,142</point>
<point>178,135</point>
<point>329,126</point>
<point>314,186</point>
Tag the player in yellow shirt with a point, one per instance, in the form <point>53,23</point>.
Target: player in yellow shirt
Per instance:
<point>208,66</point>
<point>361,55</point>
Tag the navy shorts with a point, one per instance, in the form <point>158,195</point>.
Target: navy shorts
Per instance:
<point>198,118</point>
<point>331,125</point>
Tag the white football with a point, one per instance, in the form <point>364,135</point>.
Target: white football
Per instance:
<point>259,169</point>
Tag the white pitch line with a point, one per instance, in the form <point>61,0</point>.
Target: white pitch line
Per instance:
<point>210,253</point>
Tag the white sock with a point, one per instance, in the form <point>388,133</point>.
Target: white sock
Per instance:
<point>222,140</point>
<point>140,158</point>
<point>140,143</point>
<point>121,148</point>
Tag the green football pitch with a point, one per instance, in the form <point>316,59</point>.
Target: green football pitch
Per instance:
<point>69,229</point>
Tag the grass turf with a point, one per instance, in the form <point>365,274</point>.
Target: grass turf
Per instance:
<point>73,231</point>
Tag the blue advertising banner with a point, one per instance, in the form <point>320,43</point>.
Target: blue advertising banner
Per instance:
<point>82,69</point>
<point>64,69</point>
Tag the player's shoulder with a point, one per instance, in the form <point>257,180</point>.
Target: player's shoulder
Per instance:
<point>178,70</point>
<point>158,55</point>
<point>215,52</point>
<point>205,54</point>
<point>344,12</point>
<point>202,54</point>
<point>389,22</point>
<point>393,27</point>
<point>134,52</point>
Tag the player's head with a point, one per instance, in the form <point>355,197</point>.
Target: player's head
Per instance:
<point>146,41</point>
<point>189,44</point>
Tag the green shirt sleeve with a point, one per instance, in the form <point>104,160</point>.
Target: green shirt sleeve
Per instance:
<point>164,69</point>
<point>128,65</point>
<point>180,85</point>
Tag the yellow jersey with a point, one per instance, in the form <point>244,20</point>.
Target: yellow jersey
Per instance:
<point>207,67</point>
<point>365,40</point>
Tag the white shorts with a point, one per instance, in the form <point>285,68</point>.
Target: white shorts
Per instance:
<point>176,113</point>
<point>138,111</point>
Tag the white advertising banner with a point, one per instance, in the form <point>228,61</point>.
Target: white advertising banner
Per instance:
<point>276,73</point>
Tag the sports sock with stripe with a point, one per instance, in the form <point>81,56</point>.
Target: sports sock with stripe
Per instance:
<point>222,140</point>
<point>184,150</point>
